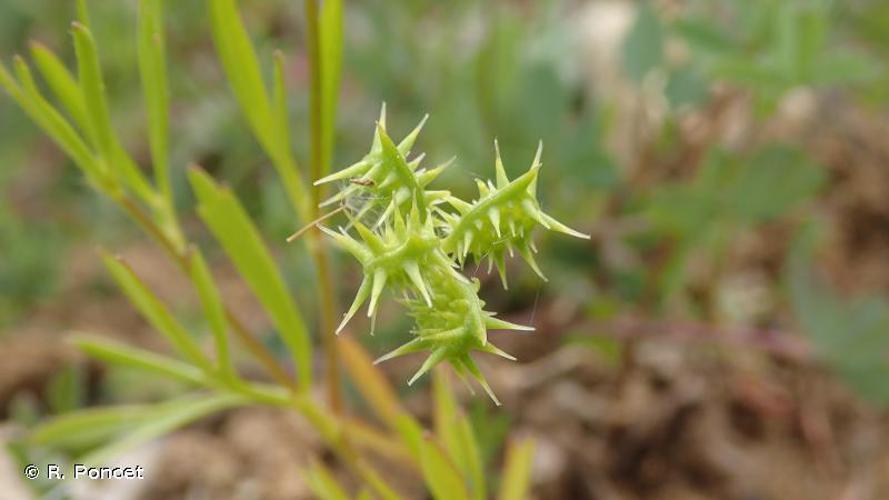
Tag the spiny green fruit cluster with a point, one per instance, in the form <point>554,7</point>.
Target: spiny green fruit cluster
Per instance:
<point>413,241</point>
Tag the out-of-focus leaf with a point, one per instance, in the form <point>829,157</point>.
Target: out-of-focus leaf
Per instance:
<point>844,67</point>
<point>26,94</point>
<point>516,477</point>
<point>455,431</point>
<point>686,87</point>
<point>702,34</point>
<point>165,418</point>
<point>242,69</point>
<point>850,335</point>
<point>643,47</point>
<point>330,50</point>
<point>411,432</point>
<point>497,63</point>
<point>66,390</point>
<point>730,188</point>
<point>62,84</point>
<point>153,70</point>
<point>323,484</point>
<point>90,427</point>
<point>441,475</point>
<point>93,90</point>
<point>232,227</point>
<point>123,355</point>
<point>114,158</point>
<point>773,181</point>
<point>155,311</point>
<point>491,429</point>
<point>608,347</point>
<point>214,311</point>
<point>801,31</point>
<point>372,384</point>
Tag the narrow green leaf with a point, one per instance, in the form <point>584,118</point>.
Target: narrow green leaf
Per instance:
<point>323,484</point>
<point>9,83</point>
<point>330,49</point>
<point>51,121</point>
<point>119,354</point>
<point>65,390</point>
<point>155,312</point>
<point>165,418</point>
<point>153,71</point>
<point>90,427</point>
<point>232,227</point>
<point>63,85</point>
<point>516,477</point>
<point>93,89</point>
<point>446,415</point>
<point>473,465</point>
<point>242,68</point>
<point>441,475</point>
<point>214,311</point>
<point>455,431</point>
<point>411,433</point>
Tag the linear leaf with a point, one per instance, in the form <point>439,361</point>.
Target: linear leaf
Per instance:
<point>516,477</point>
<point>89,427</point>
<point>153,71</point>
<point>166,417</point>
<point>330,34</point>
<point>441,475</point>
<point>120,354</point>
<point>214,311</point>
<point>27,95</point>
<point>63,85</point>
<point>455,432</point>
<point>472,456</point>
<point>232,227</point>
<point>154,311</point>
<point>93,89</point>
<point>242,68</point>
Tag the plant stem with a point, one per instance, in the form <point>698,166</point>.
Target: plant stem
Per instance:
<point>180,257</point>
<point>329,426</point>
<point>326,293</point>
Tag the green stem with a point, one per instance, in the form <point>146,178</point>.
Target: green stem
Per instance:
<point>327,297</point>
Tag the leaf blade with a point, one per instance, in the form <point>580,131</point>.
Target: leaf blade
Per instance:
<point>154,311</point>
<point>120,354</point>
<point>236,233</point>
<point>152,68</point>
<point>515,479</point>
<point>330,47</point>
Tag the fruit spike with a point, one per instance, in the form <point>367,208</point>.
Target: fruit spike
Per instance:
<point>410,242</point>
